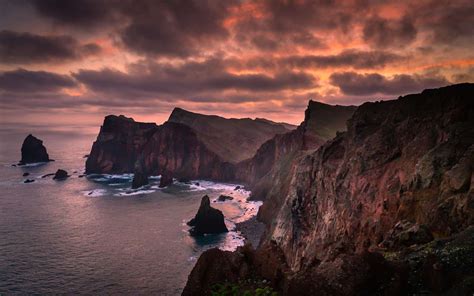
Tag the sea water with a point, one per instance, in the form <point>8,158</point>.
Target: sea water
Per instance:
<point>94,234</point>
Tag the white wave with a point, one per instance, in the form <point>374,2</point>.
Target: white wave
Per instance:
<point>137,192</point>
<point>95,192</point>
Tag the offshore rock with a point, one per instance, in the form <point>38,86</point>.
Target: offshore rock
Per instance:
<point>207,220</point>
<point>33,151</point>
<point>60,175</point>
<point>140,177</point>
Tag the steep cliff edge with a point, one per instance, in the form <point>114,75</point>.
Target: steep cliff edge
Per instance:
<point>269,172</point>
<point>232,139</point>
<point>398,183</point>
<point>408,159</point>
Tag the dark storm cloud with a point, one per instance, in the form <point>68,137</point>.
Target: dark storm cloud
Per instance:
<point>26,48</point>
<point>351,83</point>
<point>188,79</point>
<point>446,21</point>
<point>76,13</point>
<point>383,33</point>
<point>24,81</point>
<point>348,58</point>
<point>174,28</point>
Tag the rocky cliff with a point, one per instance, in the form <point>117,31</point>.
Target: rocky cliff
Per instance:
<point>233,140</point>
<point>386,207</point>
<point>172,149</point>
<point>269,172</point>
<point>409,159</point>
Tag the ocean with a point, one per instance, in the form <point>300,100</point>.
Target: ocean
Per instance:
<point>94,235</point>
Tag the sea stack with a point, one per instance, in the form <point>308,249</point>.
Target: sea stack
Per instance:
<point>33,151</point>
<point>140,177</point>
<point>207,220</point>
<point>165,180</point>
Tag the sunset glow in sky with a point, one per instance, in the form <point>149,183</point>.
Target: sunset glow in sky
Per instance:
<point>70,63</point>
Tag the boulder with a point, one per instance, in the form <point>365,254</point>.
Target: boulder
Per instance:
<point>223,197</point>
<point>33,151</point>
<point>28,181</point>
<point>165,180</point>
<point>60,175</point>
<point>207,219</point>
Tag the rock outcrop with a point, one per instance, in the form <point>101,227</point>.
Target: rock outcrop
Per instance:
<point>60,175</point>
<point>33,151</point>
<point>223,198</point>
<point>386,207</point>
<point>140,176</point>
<point>207,220</point>
<point>165,180</point>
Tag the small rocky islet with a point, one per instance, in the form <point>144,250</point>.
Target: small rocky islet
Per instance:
<point>208,220</point>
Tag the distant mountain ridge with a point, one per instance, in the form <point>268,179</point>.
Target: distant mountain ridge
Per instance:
<point>221,134</point>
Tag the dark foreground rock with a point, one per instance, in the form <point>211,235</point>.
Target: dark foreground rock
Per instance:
<point>28,181</point>
<point>33,151</point>
<point>165,180</point>
<point>60,175</point>
<point>207,219</point>
<point>26,174</point>
<point>441,267</point>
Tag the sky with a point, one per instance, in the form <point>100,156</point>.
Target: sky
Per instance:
<point>67,64</point>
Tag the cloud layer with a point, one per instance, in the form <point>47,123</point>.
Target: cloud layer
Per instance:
<point>268,57</point>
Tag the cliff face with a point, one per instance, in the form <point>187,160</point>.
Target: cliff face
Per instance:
<point>403,162</point>
<point>171,148</point>
<point>118,145</point>
<point>233,140</point>
<point>176,149</point>
<point>398,183</point>
<point>269,171</point>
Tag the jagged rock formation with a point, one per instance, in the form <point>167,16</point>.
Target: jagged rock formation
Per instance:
<point>221,135</point>
<point>118,145</point>
<point>207,219</point>
<point>398,182</point>
<point>33,151</point>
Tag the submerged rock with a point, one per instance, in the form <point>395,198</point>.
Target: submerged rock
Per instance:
<point>207,219</point>
<point>26,174</point>
<point>33,151</point>
<point>47,175</point>
<point>165,180</point>
<point>223,197</point>
<point>28,181</point>
<point>60,175</point>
